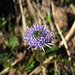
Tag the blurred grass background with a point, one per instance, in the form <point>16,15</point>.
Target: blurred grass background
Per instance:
<point>16,16</point>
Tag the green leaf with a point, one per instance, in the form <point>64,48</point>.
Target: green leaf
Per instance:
<point>3,21</point>
<point>74,70</point>
<point>5,65</point>
<point>6,34</point>
<point>63,72</point>
<point>51,51</point>
<point>3,57</point>
<point>68,1</point>
<point>48,18</point>
<point>30,64</point>
<point>13,41</point>
<point>6,43</point>
<point>14,30</point>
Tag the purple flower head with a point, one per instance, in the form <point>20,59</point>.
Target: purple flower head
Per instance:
<point>37,36</point>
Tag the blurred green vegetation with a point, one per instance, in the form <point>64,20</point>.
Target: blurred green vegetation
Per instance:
<point>12,44</point>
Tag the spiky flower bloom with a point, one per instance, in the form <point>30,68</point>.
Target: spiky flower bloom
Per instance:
<point>37,36</point>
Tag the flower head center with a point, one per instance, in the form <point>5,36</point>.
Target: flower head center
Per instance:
<point>36,34</point>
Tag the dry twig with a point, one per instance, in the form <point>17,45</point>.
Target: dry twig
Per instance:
<point>23,20</point>
<point>44,70</point>
<point>39,13</point>
<point>57,26</point>
<point>32,10</point>
<point>38,69</point>
<point>55,67</point>
<point>69,34</point>
<point>73,8</point>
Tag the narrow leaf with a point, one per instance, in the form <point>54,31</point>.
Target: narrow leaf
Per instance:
<point>13,41</point>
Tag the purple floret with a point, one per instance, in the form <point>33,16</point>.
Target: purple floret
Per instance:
<point>37,36</point>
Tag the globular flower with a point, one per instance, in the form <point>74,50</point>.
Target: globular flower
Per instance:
<point>37,36</point>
